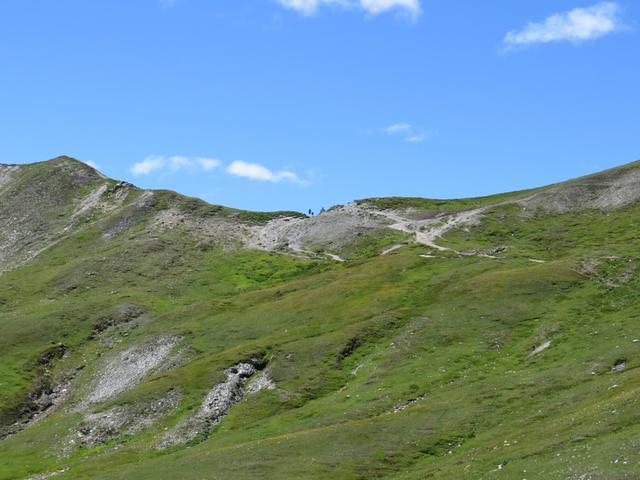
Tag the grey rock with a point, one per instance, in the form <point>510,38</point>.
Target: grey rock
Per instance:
<point>214,407</point>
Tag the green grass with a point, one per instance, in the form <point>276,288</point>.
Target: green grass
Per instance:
<point>441,205</point>
<point>394,366</point>
<point>164,199</point>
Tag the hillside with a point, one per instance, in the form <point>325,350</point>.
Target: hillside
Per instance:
<point>149,335</point>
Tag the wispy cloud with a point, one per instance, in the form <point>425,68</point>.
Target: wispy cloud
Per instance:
<point>411,8</point>
<point>255,171</point>
<point>415,138</point>
<point>148,165</point>
<point>401,127</point>
<point>408,132</point>
<point>176,163</point>
<point>575,26</point>
<point>372,7</point>
<point>306,7</point>
<point>375,7</point>
<point>208,164</point>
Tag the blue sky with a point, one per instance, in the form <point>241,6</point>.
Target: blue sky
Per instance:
<point>297,104</point>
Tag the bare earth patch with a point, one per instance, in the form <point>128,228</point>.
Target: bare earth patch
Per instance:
<point>130,367</point>
<point>215,406</point>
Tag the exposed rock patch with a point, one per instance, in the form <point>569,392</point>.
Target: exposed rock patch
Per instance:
<point>101,427</point>
<point>540,348</point>
<point>485,252</point>
<point>611,271</point>
<point>45,476</point>
<point>429,229</point>
<point>214,407</point>
<point>124,313</point>
<point>402,407</point>
<point>6,172</point>
<point>604,191</point>
<point>619,366</point>
<point>90,202</point>
<point>35,206</point>
<point>65,204</point>
<point>128,368</point>
<point>45,395</point>
<point>260,382</point>
<point>331,229</point>
<point>215,230</point>
<point>106,198</point>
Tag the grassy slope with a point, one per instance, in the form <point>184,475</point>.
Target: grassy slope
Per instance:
<point>439,205</point>
<point>454,333</point>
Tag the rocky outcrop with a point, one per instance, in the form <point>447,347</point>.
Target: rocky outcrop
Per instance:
<point>332,230</point>
<point>214,407</point>
<point>36,206</point>
<point>101,427</point>
<point>259,382</point>
<point>604,191</point>
<point>45,395</point>
<point>121,314</point>
<point>128,368</point>
<point>6,172</point>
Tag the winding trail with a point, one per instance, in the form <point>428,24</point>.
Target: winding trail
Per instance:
<point>392,249</point>
<point>294,234</point>
<point>427,232</point>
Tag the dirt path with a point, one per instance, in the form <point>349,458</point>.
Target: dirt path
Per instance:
<point>392,249</point>
<point>427,232</point>
<point>338,226</point>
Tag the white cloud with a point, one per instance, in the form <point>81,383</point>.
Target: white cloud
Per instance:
<point>173,164</point>
<point>93,165</point>
<point>255,171</point>
<point>398,128</point>
<point>574,26</point>
<point>306,7</point>
<point>148,165</point>
<point>208,164</point>
<point>415,138</point>
<point>178,162</point>
<point>412,7</point>
<point>408,132</point>
<point>373,7</point>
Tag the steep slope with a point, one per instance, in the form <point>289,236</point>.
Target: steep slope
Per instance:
<point>35,210</point>
<point>148,335</point>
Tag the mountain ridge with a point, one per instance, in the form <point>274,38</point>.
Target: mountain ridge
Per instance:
<point>589,176</point>
<point>301,234</point>
<point>156,336</point>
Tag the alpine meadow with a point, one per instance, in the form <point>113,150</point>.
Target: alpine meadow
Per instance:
<point>150,335</point>
<point>319,240</point>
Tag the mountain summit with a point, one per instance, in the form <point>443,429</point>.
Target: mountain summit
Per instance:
<point>151,335</point>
